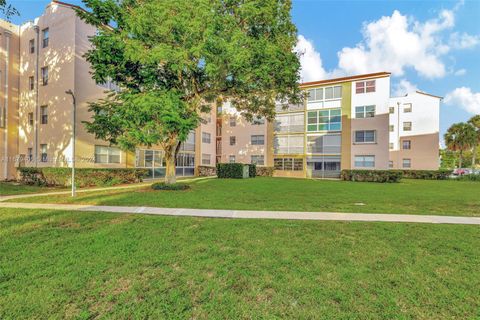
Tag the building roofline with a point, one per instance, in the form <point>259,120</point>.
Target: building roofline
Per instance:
<point>345,79</point>
<point>428,94</point>
<point>74,6</point>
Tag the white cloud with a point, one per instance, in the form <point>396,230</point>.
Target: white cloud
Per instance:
<point>394,43</point>
<point>464,98</point>
<point>460,72</point>
<point>312,68</point>
<point>463,40</point>
<point>403,87</point>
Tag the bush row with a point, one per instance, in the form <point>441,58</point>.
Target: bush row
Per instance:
<point>265,171</point>
<point>230,170</point>
<point>371,175</point>
<point>84,177</point>
<point>426,174</point>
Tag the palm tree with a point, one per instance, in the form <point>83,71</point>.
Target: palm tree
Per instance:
<point>475,122</point>
<point>460,137</point>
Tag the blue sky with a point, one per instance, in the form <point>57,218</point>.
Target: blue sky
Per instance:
<point>430,45</point>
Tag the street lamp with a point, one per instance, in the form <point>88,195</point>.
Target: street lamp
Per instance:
<point>70,92</point>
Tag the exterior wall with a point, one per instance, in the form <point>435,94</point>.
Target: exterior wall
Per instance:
<point>242,131</point>
<point>379,123</point>
<point>9,60</point>
<point>424,136</point>
<point>206,148</point>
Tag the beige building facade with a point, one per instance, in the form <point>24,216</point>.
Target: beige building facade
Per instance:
<point>345,123</point>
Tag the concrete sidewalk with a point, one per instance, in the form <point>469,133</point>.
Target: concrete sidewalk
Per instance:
<point>241,214</point>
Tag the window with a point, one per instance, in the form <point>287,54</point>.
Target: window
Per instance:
<point>327,93</point>
<point>31,45</point>
<point>31,83</point>
<point>30,154</point>
<point>258,139</point>
<point>391,110</point>
<point>324,120</point>
<point>293,144</point>
<point>406,163</point>
<point>111,155</point>
<point>407,107</point>
<point>391,128</point>
<point>44,76</point>
<point>233,121</point>
<point>30,118</point>
<point>390,145</point>
<point>365,136</point>
<point>365,161</point>
<point>206,137</point>
<point>365,112</point>
<point>233,140</point>
<point>206,158</point>
<point>258,160</point>
<point>286,123</point>
<point>43,153</point>
<point>407,126</point>
<point>365,86</point>
<point>43,114</point>
<point>3,115</point>
<point>45,35</point>
<point>288,164</point>
<point>231,159</point>
<point>325,144</point>
<point>406,145</point>
<point>258,121</point>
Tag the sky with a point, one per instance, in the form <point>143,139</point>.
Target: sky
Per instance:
<point>432,46</point>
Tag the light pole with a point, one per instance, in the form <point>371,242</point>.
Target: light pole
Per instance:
<point>70,92</point>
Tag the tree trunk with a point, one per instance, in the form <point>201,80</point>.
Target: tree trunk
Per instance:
<point>474,156</point>
<point>460,159</point>
<point>171,149</point>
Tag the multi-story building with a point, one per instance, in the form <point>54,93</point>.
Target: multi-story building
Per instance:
<point>345,122</point>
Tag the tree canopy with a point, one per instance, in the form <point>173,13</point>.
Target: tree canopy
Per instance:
<point>174,60</point>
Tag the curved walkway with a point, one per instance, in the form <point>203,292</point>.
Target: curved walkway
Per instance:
<point>241,214</point>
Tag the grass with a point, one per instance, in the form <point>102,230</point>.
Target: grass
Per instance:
<point>56,264</point>
<point>408,197</point>
<point>10,188</point>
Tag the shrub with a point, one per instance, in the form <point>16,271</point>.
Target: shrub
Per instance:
<point>230,170</point>
<point>265,171</point>
<point>172,187</point>
<point>252,170</point>
<point>84,177</point>
<point>426,174</point>
<point>371,175</point>
<point>468,177</point>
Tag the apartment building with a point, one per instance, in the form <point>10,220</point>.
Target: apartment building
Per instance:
<point>413,128</point>
<point>345,123</point>
<point>43,62</point>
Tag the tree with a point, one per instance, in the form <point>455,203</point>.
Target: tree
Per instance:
<point>475,123</point>
<point>8,10</point>
<point>174,60</point>
<point>460,137</point>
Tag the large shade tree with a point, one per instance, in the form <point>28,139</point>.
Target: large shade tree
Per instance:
<point>174,60</point>
<point>7,10</point>
<point>460,137</point>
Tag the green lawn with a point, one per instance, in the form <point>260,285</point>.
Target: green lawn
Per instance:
<point>408,197</point>
<point>57,264</point>
<point>9,188</point>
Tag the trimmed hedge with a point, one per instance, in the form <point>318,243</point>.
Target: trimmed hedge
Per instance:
<point>426,174</point>
<point>171,187</point>
<point>265,171</point>
<point>371,175</point>
<point>252,170</point>
<point>468,177</point>
<point>84,177</point>
<point>230,170</point>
